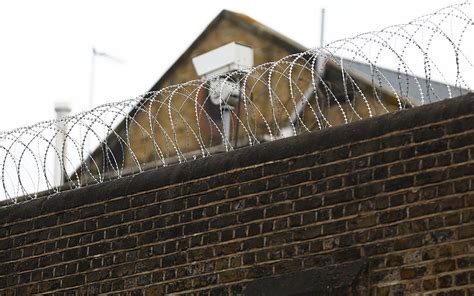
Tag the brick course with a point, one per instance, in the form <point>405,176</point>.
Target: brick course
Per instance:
<point>392,195</point>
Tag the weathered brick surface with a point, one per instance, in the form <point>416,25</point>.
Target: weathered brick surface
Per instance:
<point>393,196</point>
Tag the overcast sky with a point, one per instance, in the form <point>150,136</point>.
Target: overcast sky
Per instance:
<point>45,47</point>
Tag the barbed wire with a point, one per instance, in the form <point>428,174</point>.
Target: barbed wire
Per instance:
<point>339,83</point>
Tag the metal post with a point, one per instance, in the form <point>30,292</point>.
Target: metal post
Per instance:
<point>320,60</point>
<point>92,79</point>
<point>226,113</point>
<point>321,41</point>
<point>62,109</point>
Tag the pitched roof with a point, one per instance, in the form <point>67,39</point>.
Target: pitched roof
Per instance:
<point>244,22</point>
<point>406,86</point>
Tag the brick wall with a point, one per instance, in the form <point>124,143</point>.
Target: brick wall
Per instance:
<point>383,207</point>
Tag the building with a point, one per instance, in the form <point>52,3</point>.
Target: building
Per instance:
<point>162,128</point>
